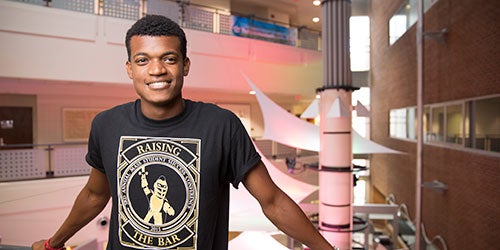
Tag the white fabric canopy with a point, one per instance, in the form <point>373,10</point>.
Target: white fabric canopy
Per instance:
<point>285,128</point>
<point>246,213</point>
<point>255,241</point>
<point>312,111</point>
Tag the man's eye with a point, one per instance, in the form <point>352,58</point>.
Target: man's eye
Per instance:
<point>170,60</point>
<point>141,60</point>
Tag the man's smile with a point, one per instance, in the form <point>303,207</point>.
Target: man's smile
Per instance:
<point>159,85</point>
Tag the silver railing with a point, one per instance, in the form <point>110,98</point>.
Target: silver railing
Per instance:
<point>190,16</point>
<point>36,161</point>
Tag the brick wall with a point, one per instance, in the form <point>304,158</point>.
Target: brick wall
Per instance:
<point>467,215</point>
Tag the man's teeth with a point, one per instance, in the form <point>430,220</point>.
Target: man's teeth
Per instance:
<point>157,84</point>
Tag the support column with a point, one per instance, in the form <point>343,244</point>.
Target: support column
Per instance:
<point>335,176</point>
<point>335,155</point>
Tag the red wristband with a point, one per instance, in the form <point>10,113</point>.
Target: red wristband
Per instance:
<point>48,247</point>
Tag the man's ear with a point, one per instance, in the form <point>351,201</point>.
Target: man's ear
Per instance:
<point>187,64</point>
<point>128,66</point>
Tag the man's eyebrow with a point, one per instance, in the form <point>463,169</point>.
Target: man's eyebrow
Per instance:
<point>167,53</point>
<point>140,54</point>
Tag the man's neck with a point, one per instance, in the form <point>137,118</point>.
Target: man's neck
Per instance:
<point>167,111</point>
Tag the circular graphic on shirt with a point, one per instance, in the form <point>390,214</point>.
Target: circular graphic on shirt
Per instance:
<point>158,194</point>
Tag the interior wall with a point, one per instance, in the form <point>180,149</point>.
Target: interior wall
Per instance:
<point>50,98</point>
<point>77,60</point>
<point>71,46</point>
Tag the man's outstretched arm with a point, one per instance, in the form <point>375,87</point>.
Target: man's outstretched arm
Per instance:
<point>283,212</point>
<point>88,204</point>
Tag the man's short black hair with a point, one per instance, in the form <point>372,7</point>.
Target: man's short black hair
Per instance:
<point>156,25</point>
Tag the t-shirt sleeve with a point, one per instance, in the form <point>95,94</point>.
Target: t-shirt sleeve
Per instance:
<point>93,156</point>
<point>243,156</point>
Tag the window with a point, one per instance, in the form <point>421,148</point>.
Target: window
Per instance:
<point>484,125</point>
<point>437,124</point>
<point>397,121</point>
<point>360,43</point>
<point>454,124</point>
<point>404,18</point>
<point>465,123</point>
<point>411,123</point>
<point>427,123</point>
<point>403,123</point>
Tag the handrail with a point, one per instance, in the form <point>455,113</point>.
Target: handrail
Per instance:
<point>437,238</point>
<point>26,145</point>
<point>390,199</point>
<point>405,215</point>
<point>403,211</point>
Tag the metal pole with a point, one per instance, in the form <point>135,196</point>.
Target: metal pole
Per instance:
<point>420,106</point>
<point>335,155</point>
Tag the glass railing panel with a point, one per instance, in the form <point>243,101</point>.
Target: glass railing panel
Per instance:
<point>164,8</point>
<point>125,9</point>
<point>198,19</point>
<point>23,164</point>
<point>35,2</point>
<point>70,161</point>
<point>86,6</point>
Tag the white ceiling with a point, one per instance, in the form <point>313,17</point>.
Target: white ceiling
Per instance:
<point>300,12</point>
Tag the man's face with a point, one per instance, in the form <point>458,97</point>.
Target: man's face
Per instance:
<point>157,69</point>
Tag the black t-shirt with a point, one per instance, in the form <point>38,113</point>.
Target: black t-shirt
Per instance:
<point>170,179</point>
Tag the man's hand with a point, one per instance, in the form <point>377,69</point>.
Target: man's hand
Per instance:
<point>88,204</point>
<point>38,245</point>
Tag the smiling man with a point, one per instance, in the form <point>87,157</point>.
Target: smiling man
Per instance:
<point>167,163</point>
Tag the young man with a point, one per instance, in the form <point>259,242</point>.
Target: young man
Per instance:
<point>167,162</point>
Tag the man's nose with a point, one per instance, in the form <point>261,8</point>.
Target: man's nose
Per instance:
<point>157,67</point>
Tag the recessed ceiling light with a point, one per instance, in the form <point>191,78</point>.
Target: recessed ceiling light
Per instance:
<point>315,19</point>
<point>251,92</point>
<point>316,2</point>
